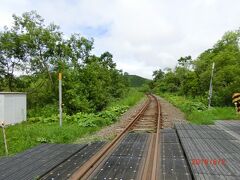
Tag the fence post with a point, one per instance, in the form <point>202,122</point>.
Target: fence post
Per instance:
<point>4,138</point>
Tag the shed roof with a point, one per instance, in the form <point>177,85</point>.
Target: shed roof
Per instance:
<point>13,93</point>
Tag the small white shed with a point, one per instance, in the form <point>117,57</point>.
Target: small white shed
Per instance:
<point>13,107</point>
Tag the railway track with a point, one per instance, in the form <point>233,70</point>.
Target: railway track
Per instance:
<point>137,152</point>
<point>147,120</point>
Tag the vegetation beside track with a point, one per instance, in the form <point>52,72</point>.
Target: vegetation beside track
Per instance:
<point>190,79</point>
<point>95,92</point>
<point>45,129</point>
<point>196,110</point>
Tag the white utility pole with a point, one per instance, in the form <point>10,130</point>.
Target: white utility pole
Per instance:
<point>210,87</point>
<point>60,98</point>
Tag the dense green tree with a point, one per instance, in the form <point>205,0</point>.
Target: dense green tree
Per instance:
<point>192,77</point>
<point>158,75</point>
<point>32,54</point>
<point>185,62</point>
<point>78,50</point>
<point>2,73</point>
<point>40,42</point>
<point>12,56</point>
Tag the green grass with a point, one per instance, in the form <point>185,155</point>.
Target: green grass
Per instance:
<point>45,129</point>
<point>209,116</point>
<point>26,135</point>
<point>196,110</point>
<point>132,97</point>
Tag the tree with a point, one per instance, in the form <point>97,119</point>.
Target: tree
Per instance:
<point>185,62</point>
<point>12,56</point>
<point>2,73</point>
<point>40,42</point>
<point>37,52</point>
<point>194,81</point>
<point>158,75</point>
<point>79,49</point>
<point>107,60</point>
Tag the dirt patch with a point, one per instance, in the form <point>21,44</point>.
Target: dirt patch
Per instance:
<point>170,114</point>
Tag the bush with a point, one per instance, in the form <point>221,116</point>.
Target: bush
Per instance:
<point>46,111</point>
<point>197,112</point>
<point>86,119</point>
<point>187,105</point>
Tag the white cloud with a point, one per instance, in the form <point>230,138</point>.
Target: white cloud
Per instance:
<point>143,35</point>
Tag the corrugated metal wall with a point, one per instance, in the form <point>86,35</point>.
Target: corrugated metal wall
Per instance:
<point>14,107</point>
<point>1,108</point>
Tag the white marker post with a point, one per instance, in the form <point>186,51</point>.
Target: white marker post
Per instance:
<point>4,138</point>
<point>60,98</point>
<point>210,87</point>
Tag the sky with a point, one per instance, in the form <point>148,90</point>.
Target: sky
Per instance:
<point>142,35</point>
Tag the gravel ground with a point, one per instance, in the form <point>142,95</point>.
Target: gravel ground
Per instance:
<point>170,115</point>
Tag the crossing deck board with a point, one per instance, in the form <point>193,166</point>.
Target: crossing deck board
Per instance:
<point>125,161</point>
<point>36,161</point>
<point>232,127</point>
<point>212,152</point>
<point>214,177</point>
<point>169,137</point>
<point>173,163</point>
<point>68,167</point>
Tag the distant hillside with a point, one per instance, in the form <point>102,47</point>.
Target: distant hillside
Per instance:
<point>137,81</point>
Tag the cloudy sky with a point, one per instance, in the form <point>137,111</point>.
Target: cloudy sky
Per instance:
<point>142,35</point>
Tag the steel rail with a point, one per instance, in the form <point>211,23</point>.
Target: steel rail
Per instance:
<point>159,126</point>
<point>88,166</point>
<point>149,169</point>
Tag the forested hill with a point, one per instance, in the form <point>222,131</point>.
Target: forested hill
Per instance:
<point>136,81</point>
